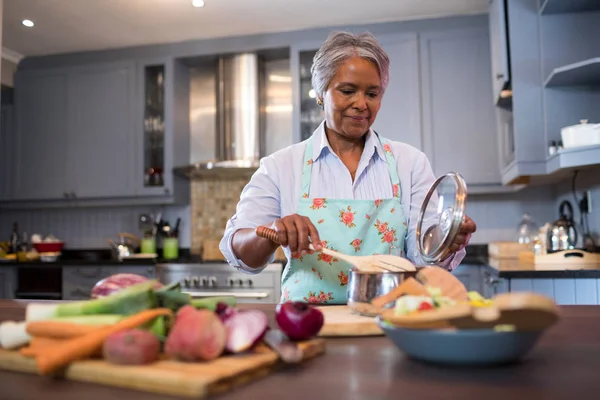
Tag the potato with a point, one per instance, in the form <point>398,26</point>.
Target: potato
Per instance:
<point>131,347</point>
<point>196,335</point>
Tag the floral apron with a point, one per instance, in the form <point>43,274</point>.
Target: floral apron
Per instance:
<point>355,227</point>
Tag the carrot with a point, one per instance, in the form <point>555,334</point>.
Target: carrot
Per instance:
<point>59,329</point>
<point>88,344</point>
<point>38,345</point>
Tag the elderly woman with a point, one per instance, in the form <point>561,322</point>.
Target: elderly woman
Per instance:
<point>345,188</point>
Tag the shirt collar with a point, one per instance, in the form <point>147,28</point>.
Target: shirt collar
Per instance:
<point>321,144</point>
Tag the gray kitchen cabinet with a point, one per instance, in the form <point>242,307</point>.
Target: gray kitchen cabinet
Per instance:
<point>400,115</point>
<point>78,281</point>
<point>101,125</point>
<point>7,283</point>
<point>564,291</point>
<point>42,146</point>
<point>471,276</point>
<point>81,136</point>
<point>458,118</point>
<point>499,48</point>
<point>7,163</point>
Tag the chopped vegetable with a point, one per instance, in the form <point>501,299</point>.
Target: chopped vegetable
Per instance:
<point>196,335</point>
<point>131,347</point>
<point>245,329</point>
<point>58,330</point>
<point>13,335</point>
<point>116,283</point>
<point>128,301</point>
<point>85,346</point>
<point>212,302</point>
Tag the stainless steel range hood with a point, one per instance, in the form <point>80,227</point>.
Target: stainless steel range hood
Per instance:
<point>239,119</point>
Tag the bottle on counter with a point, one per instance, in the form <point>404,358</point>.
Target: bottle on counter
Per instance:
<point>527,231</point>
<point>14,239</point>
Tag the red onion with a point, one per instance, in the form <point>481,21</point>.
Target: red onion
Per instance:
<point>114,283</point>
<point>299,320</point>
<point>245,329</point>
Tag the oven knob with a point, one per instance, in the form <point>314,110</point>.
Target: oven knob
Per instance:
<point>196,281</point>
<point>186,281</point>
<point>212,281</point>
<point>249,282</point>
<point>240,282</point>
<point>204,281</point>
<point>231,282</point>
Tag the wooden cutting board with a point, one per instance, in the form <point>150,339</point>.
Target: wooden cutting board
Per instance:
<point>168,377</point>
<point>342,321</point>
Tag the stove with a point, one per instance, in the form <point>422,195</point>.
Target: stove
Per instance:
<point>221,279</point>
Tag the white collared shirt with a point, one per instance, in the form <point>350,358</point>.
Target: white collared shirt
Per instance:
<point>274,189</point>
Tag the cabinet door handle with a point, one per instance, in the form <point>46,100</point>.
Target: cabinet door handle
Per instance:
<point>499,76</point>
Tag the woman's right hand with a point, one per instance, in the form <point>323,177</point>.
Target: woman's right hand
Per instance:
<point>294,231</point>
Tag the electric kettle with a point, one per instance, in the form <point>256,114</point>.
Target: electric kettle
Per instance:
<point>562,234</point>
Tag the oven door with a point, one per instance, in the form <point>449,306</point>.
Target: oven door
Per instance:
<point>242,296</point>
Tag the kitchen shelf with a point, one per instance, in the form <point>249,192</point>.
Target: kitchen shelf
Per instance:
<point>576,157</point>
<point>585,72</point>
<point>568,6</point>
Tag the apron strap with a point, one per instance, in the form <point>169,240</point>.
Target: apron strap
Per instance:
<point>389,157</point>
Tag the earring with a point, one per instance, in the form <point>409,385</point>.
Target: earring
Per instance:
<point>320,101</point>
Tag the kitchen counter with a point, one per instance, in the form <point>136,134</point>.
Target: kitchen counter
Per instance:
<point>99,257</point>
<point>563,365</point>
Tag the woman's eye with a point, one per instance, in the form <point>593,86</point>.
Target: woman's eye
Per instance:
<point>347,91</point>
<point>372,94</point>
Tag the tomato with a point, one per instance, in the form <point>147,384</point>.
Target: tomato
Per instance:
<point>425,306</point>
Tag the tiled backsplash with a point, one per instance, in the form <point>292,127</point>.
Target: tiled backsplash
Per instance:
<point>213,202</point>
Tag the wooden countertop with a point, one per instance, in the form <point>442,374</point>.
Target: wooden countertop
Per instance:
<point>564,365</point>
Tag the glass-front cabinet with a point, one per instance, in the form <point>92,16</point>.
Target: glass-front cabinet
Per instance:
<point>311,114</point>
<point>154,125</point>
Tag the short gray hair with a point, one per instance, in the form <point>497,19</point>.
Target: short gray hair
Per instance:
<point>339,47</point>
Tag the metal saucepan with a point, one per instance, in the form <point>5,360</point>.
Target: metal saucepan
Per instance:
<point>364,286</point>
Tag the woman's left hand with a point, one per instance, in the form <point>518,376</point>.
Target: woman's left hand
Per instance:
<point>467,227</point>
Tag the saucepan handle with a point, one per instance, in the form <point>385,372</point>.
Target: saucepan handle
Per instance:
<point>268,233</point>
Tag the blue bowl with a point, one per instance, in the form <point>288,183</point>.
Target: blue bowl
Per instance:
<point>476,347</point>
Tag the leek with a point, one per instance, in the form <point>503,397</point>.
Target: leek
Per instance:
<point>128,301</point>
<point>211,302</point>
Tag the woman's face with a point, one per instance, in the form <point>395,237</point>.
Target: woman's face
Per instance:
<point>353,98</point>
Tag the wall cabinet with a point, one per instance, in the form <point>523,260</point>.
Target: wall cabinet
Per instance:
<point>499,48</point>
<point>95,135</point>
<point>458,116</point>
<point>551,68</point>
<point>42,138</point>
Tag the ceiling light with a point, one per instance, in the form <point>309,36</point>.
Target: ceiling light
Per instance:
<point>198,3</point>
<point>28,23</point>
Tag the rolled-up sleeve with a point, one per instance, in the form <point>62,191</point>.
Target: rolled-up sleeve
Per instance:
<point>422,178</point>
<point>259,205</point>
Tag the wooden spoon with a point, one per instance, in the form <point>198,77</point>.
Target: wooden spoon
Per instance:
<point>382,261</point>
<point>523,310</point>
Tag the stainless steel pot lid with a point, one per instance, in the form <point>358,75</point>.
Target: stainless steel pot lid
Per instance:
<point>441,215</point>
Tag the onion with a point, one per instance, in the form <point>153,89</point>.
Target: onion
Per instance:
<point>117,282</point>
<point>299,320</point>
<point>245,329</point>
